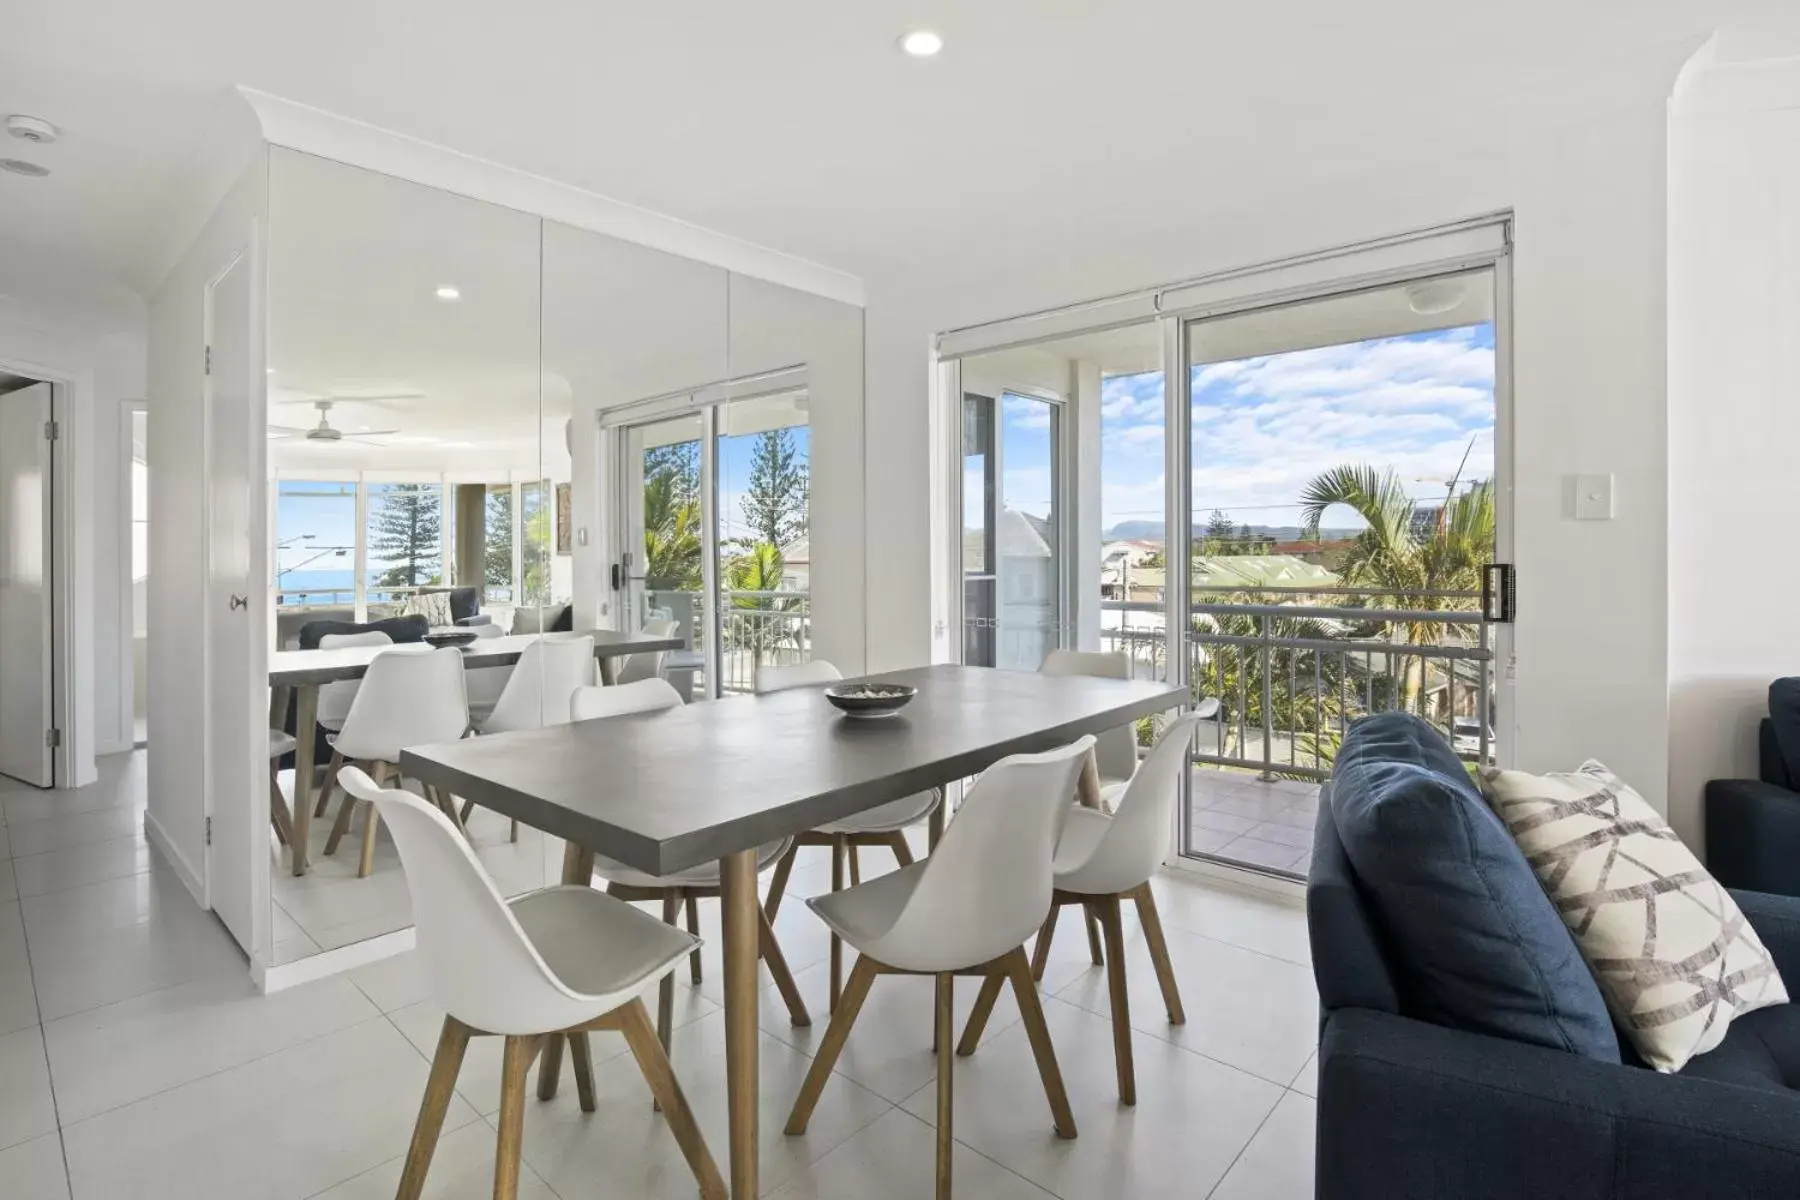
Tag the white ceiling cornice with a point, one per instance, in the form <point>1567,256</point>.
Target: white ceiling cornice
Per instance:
<point>315,131</point>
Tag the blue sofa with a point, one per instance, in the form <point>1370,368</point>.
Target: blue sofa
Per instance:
<point>1411,1107</point>
<point>1753,825</point>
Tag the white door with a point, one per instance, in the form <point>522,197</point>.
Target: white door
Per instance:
<point>236,746</point>
<point>25,605</point>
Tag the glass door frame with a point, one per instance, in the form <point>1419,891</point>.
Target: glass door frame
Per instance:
<point>1479,243</point>
<point>1063,483</point>
<point>704,403</point>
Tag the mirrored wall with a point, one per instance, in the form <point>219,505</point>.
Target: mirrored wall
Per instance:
<point>500,431</point>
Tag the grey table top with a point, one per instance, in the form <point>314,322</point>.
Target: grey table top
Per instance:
<point>665,791</point>
<point>291,668</point>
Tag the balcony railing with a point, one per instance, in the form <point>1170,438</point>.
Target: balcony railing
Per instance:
<point>1291,674</point>
<point>762,629</point>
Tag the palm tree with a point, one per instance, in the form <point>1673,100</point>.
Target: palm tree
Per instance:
<point>1410,566</point>
<point>672,548</point>
<point>771,621</point>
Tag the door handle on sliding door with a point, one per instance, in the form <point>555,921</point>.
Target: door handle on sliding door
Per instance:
<point>238,602</point>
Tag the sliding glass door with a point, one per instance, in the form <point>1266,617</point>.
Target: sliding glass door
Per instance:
<point>716,537</point>
<point>1014,575</point>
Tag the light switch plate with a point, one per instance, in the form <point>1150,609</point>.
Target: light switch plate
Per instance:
<point>1593,497</point>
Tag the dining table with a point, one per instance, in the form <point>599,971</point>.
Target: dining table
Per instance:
<point>663,792</point>
<point>302,672</point>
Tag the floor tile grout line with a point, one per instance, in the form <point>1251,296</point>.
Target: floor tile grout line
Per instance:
<point>37,1005</point>
<point>1254,1134</point>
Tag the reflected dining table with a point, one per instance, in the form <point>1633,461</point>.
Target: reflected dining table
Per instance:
<point>304,671</point>
<point>667,791</point>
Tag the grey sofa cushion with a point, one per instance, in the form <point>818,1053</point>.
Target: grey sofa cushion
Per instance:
<point>1475,944</point>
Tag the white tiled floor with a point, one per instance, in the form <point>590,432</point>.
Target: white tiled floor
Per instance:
<point>137,1059</point>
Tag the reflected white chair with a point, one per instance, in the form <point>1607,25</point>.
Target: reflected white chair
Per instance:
<point>1115,750</point>
<point>648,665</point>
<point>280,742</point>
<point>684,888</point>
<point>537,692</point>
<point>484,684</point>
<point>965,910</point>
<point>1102,861</point>
<point>553,964</point>
<point>409,697</point>
<point>884,826</point>
<point>334,704</point>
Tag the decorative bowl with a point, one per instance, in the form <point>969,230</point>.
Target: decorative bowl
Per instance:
<point>450,637</point>
<point>870,701</point>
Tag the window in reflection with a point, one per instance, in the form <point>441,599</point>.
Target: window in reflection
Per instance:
<point>764,464</point>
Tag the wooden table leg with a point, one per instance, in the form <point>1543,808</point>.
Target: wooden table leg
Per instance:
<point>1087,788</point>
<point>740,918</point>
<point>307,715</point>
<point>609,671</point>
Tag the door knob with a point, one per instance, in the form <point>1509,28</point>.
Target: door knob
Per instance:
<point>238,602</point>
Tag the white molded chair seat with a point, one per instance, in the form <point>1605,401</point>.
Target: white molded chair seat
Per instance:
<point>551,965</point>
<point>1115,750</point>
<point>484,684</point>
<point>538,690</point>
<point>648,665</point>
<point>280,742</point>
<point>701,875</point>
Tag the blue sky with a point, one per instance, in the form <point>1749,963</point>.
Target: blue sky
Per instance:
<point>1265,426</point>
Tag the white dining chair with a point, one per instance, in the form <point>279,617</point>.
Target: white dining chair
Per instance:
<point>884,826</point>
<point>553,964</point>
<point>649,664</point>
<point>409,697</point>
<point>685,888</point>
<point>1103,861</point>
<point>965,910</point>
<point>484,684</point>
<point>334,704</point>
<point>1116,749</point>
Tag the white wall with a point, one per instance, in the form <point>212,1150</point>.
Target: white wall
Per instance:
<point>1584,176</point>
<point>176,814</point>
<point>1734,415</point>
<point>95,344</point>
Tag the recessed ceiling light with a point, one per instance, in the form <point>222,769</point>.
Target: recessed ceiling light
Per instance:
<point>922,43</point>
<point>448,293</point>
<point>19,166</point>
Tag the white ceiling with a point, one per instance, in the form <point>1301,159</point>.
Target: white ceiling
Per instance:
<point>796,123</point>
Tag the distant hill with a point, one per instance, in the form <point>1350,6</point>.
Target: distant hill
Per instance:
<point>1153,531</point>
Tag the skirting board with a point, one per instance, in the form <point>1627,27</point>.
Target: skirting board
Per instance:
<point>165,845</point>
<point>332,962</point>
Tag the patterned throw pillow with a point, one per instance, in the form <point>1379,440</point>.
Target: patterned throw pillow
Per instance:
<point>433,606</point>
<point>1674,956</point>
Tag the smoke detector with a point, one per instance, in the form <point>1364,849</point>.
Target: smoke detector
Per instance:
<point>32,129</point>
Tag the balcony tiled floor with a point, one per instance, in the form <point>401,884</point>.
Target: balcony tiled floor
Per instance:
<point>1241,819</point>
<point>139,1060</point>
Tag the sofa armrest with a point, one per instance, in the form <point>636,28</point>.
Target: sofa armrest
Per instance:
<point>1408,1109</point>
<point>1776,920</point>
<point>1753,836</point>
<point>477,619</point>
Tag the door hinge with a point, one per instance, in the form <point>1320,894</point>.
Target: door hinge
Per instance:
<point>52,738</point>
<point>209,360</point>
<point>52,431</point>
<point>209,831</point>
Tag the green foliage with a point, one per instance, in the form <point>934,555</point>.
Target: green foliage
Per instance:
<point>498,536</point>
<point>535,549</point>
<point>406,531</point>
<point>774,504</point>
<point>761,621</point>
<point>672,543</point>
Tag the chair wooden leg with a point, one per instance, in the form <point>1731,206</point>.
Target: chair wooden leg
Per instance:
<point>515,1065</point>
<point>365,865</point>
<point>778,884</point>
<point>978,1017</point>
<point>467,808</point>
<point>1093,932</point>
<point>665,997</point>
<point>1121,1002</point>
<point>654,1063</point>
<point>855,864</point>
<point>784,979</point>
<point>837,943</point>
<point>513,835</point>
<point>836,1034</point>
<point>1151,920</point>
<point>341,826</point>
<point>946,1080</point>
<point>278,808</point>
<point>902,852</point>
<point>583,1062</point>
<point>331,772</point>
<point>693,927</point>
<point>1040,953</point>
<point>1031,1010</point>
<point>446,1064</point>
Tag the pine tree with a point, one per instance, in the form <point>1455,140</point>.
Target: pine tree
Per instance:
<point>498,536</point>
<point>406,531</point>
<point>774,505</point>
